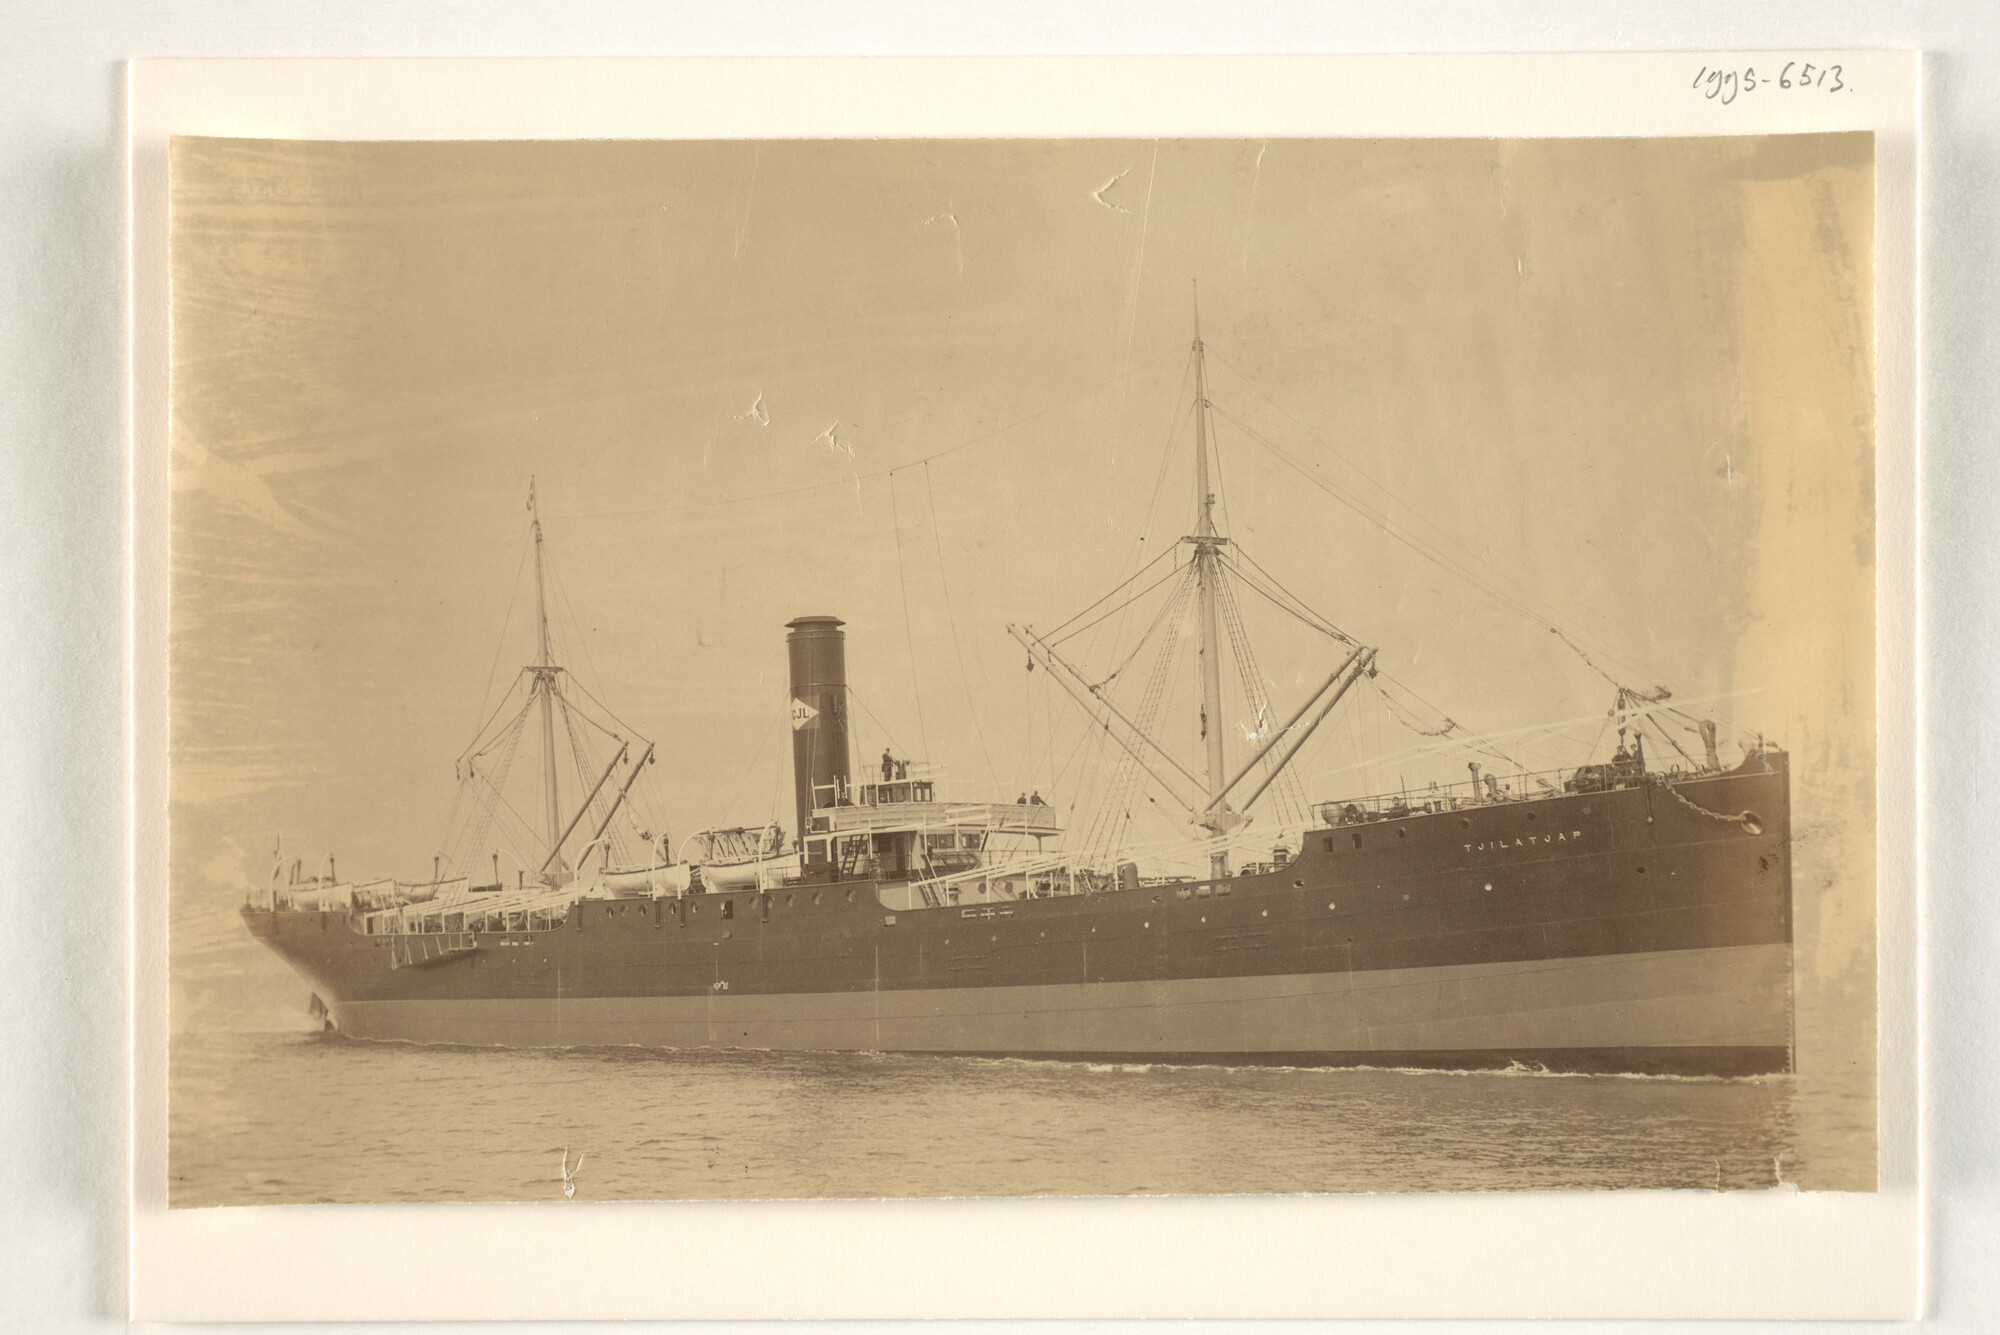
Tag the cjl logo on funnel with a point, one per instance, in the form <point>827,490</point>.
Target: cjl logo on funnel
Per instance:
<point>802,714</point>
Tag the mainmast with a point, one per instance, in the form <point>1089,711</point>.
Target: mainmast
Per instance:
<point>1215,601</point>
<point>1208,574</point>
<point>545,671</point>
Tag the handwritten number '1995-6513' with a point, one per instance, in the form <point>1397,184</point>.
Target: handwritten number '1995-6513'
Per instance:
<point>1725,86</point>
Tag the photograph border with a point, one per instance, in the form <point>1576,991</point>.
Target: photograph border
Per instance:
<point>1613,1254</point>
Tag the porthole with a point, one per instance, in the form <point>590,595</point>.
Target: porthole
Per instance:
<point>1642,871</point>
<point>790,900</point>
<point>1402,833</point>
<point>1465,822</point>
<point>1752,822</point>
<point>1586,808</point>
<point>850,896</point>
<point>1531,818</point>
<point>1489,887</point>
<point>815,896</point>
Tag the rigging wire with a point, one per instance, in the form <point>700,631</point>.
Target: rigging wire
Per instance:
<point>1657,697</point>
<point>620,723</point>
<point>577,757</point>
<point>1186,572</point>
<point>1519,605</point>
<point>763,740</point>
<point>853,479</point>
<point>1126,781</point>
<point>475,748</point>
<point>568,621</point>
<point>494,798</point>
<point>604,802</point>
<point>1406,716</point>
<point>1056,635</point>
<point>1299,607</point>
<point>1098,740</point>
<point>777,794</point>
<point>1221,484</point>
<point>500,646</point>
<point>1441,747</point>
<point>575,626</point>
<point>484,825</point>
<point>1031,751</point>
<point>1050,718</point>
<point>1399,532</point>
<point>520,835</point>
<point>1285,788</point>
<point>1083,735</point>
<point>1138,547</point>
<point>1176,571</point>
<point>1317,624</point>
<point>958,650</point>
<point>887,735</point>
<point>909,629</point>
<point>575,706</point>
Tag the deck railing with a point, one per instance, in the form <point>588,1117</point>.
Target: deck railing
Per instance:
<point>1496,788</point>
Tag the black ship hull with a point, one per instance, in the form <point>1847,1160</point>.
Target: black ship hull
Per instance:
<point>1645,928</point>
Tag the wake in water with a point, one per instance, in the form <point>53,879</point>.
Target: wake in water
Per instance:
<point>259,1118</point>
<point>633,1052</point>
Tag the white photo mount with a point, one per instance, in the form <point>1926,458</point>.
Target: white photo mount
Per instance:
<point>1608,1254</point>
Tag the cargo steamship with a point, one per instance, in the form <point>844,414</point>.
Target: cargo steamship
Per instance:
<point>1618,916</point>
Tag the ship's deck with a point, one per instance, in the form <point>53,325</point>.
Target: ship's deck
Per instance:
<point>891,817</point>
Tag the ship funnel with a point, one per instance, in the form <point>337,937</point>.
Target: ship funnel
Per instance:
<point>820,773</point>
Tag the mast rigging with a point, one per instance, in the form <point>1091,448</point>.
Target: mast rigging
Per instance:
<point>1205,583</point>
<point>536,831</point>
<point>545,672</point>
<point>1216,817</point>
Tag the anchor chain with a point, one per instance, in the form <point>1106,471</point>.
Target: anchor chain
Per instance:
<point>1745,819</point>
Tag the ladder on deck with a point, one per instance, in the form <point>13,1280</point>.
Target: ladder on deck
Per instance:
<point>415,951</point>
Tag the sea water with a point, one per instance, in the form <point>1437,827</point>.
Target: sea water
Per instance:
<point>261,1118</point>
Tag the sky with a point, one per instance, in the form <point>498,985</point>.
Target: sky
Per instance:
<point>1464,391</point>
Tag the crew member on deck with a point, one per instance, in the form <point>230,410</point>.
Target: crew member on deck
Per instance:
<point>1021,801</point>
<point>1035,799</point>
<point>888,765</point>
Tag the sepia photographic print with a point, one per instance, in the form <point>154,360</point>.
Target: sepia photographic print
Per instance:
<point>911,668</point>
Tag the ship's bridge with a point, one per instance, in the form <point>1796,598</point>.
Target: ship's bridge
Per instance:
<point>919,797</point>
<point>909,825</point>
